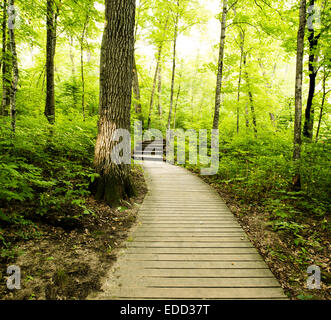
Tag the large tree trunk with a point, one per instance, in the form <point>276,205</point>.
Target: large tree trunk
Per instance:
<point>50,53</point>
<point>173,67</point>
<point>220,67</point>
<point>298,96</point>
<point>6,75</point>
<point>14,83</point>
<point>309,113</point>
<point>116,75</point>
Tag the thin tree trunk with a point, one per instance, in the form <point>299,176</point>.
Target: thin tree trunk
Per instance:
<point>73,68</point>
<point>173,67</point>
<point>50,53</point>
<point>83,79</point>
<point>5,65</point>
<point>82,39</point>
<point>116,78</point>
<point>72,57</point>
<point>309,112</point>
<point>322,105</point>
<point>176,104</point>
<point>154,86</point>
<point>220,66</point>
<point>136,89</point>
<point>15,73</point>
<point>250,96</point>
<point>298,97</point>
<point>159,91</point>
<point>246,116</point>
<point>242,37</point>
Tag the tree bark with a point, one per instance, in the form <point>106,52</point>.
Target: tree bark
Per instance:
<point>250,95</point>
<point>72,57</point>
<point>176,104</point>
<point>50,53</point>
<point>6,75</point>
<point>298,97</point>
<point>159,91</point>
<point>154,86</point>
<point>322,104</point>
<point>242,38</point>
<point>220,66</point>
<point>14,83</point>
<point>309,112</point>
<point>116,77</point>
<point>136,89</point>
<point>246,116</point>
<point>173,67</point>
<point>82,40</point>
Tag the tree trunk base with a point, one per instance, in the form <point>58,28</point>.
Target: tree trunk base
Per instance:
<point>112,189</point>
<point>296,183</point>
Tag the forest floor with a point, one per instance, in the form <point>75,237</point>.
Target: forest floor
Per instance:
<point>287,261</point>
<point>69,264</point>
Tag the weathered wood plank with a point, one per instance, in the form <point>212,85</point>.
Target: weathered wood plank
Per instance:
<point>192,250</point>
<point>210,282</point>
<point>207,293</point>
<point>192,257</point>
<point>197,264</point>
<point>203,273</point>
<point>187,244</point>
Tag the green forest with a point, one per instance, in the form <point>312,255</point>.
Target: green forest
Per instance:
<point>74,71</point>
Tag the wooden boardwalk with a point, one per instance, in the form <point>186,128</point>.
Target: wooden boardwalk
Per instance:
<point>187,245</point>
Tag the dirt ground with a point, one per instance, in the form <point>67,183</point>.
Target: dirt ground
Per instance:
<point>69,264</point>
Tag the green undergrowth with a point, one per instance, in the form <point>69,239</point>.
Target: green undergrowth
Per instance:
<point>258,173</point>
<point>45,172</point>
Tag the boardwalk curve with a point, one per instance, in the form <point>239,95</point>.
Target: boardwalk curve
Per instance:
<point>187,245</point>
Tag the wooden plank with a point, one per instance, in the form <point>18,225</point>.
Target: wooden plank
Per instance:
<point>166,236</point>
<point>193,250</point>
<point>192,257</point>
<point>187,217</point>
<point>189,230</point>
<point>186,224</point>
<point>197,264</point>
<point>189,238</point>
<point>204,273</point>
<point>238,244</point>
<point>193,293</point>
<point>186,282</point>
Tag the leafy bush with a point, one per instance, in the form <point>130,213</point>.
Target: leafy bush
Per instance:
<point>45,168</point>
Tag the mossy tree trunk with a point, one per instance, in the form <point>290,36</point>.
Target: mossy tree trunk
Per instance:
<point>116,76</point>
